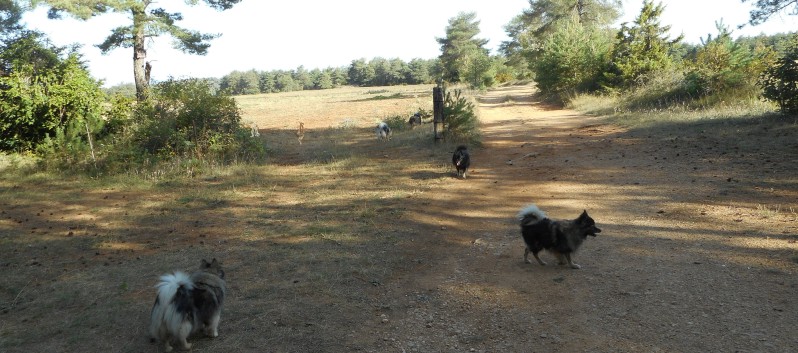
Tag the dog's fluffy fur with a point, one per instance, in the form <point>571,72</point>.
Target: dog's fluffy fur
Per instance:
<point>186,304</point>
<point>461,160</point>
<point>383,131</point>
<point>562,238</point>
<point>414,120</point>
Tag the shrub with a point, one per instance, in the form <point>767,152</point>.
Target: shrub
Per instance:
<point>461,119</point>
<point>34,104</point>
<point>724,69</point>
<point>572,59</point>
<point>780,81</point>
<point>186,118</point>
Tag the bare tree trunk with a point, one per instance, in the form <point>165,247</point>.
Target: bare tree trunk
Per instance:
<point>139,57</point>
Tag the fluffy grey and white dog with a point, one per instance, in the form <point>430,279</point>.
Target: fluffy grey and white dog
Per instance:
<point>562,238</point>
<point>383,131</point>
<point>186,304</point>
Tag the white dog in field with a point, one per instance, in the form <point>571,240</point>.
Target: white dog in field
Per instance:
<point>383,131</point>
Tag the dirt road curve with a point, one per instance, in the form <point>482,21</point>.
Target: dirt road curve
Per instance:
<point>697,253</point>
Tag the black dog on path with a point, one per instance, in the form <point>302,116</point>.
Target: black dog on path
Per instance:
<point>560,237</point>
<point>461,160</point>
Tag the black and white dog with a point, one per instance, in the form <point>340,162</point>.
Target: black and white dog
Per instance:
<point>383,131</point>
<point>461,160</point>
<point>188,303</point>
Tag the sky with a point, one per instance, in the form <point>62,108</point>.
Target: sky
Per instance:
<point>283,35</point>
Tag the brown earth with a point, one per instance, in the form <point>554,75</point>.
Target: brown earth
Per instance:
<point>697,254</point>
<point>698,251</point>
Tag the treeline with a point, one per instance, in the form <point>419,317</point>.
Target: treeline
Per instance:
<point>51,107</point>
<point>375,72</point>
<point>569,47</point>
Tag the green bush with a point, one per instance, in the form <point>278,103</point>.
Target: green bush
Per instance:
<point>572,60</point>
<point>186,118</point>
<point>462,122</point>
<point>396,122</point>
<point>34,104</point>
<point>780,81</point>
<point>724,70</point>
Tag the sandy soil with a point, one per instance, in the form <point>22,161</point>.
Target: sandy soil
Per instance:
<point>698,251</point>
<point>697,254</point>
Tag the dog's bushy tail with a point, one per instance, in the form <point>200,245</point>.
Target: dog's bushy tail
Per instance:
<point>171,304</point>
<point>530,214</point>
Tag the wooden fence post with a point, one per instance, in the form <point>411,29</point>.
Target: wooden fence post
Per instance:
<point>437,113</point>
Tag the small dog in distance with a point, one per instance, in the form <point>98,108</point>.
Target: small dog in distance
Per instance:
<point>383,131</point>
<point>300,134</point>
<point>461,160</point>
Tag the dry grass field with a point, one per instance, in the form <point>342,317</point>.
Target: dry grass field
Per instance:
<point>349,244</point>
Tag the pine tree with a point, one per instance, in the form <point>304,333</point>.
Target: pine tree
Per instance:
<point>764,9</point>
<point>531,29</point>
<point>641,49</point>
<point>460,47</point>
<point>146,23</point>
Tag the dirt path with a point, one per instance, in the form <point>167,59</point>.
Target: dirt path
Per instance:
<point>327,251</point>
<point>698,251</point>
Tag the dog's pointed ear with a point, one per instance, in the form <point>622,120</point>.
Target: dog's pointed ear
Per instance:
<point>214,263</point>
<point>583,215</point>
<point>205,264</point>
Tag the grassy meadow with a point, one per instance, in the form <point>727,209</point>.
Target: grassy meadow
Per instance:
<point>295,234</point>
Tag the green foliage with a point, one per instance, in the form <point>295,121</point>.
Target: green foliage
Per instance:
<point>360,73</point>
<point>186,119</point>
<point>123,89</point>
<point>574,57</point>
<point>764,9</point>
<point>724,67</point>
<point>71,147</point>
<point>463,56</point>
<point>10,16</point>
<point>529,31</point>
<point>396,122</point>
<point>780,81</point>
<point>462,122</point>
<point>146,23</point>
<point>640,49</point>
<point>37,99</point>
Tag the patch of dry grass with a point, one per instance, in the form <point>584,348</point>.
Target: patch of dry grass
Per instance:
<point>303,239</point>
<point>352,106</point>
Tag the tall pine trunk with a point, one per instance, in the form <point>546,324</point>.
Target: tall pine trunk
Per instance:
<point>139,57</point>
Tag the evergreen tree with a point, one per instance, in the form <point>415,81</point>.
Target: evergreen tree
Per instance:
<point>780,81</point>
<point>572,59</point>
<point>10,15</point>
<point>338,75</point>
<point>284,82</point>
<point>641,49</point>
<point>302,78</point>
<point>460,47</point>
<point>418,72</point>
<point>764,9</point>
<point>722,64</point>
<point>146,23</point>
<point>322,80</point>
<point>360,73</point>
<point>381,69</point>
<point>266,82</point>
<point>531,29</point>
<point>42,93</point>
<point>249,83</point>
